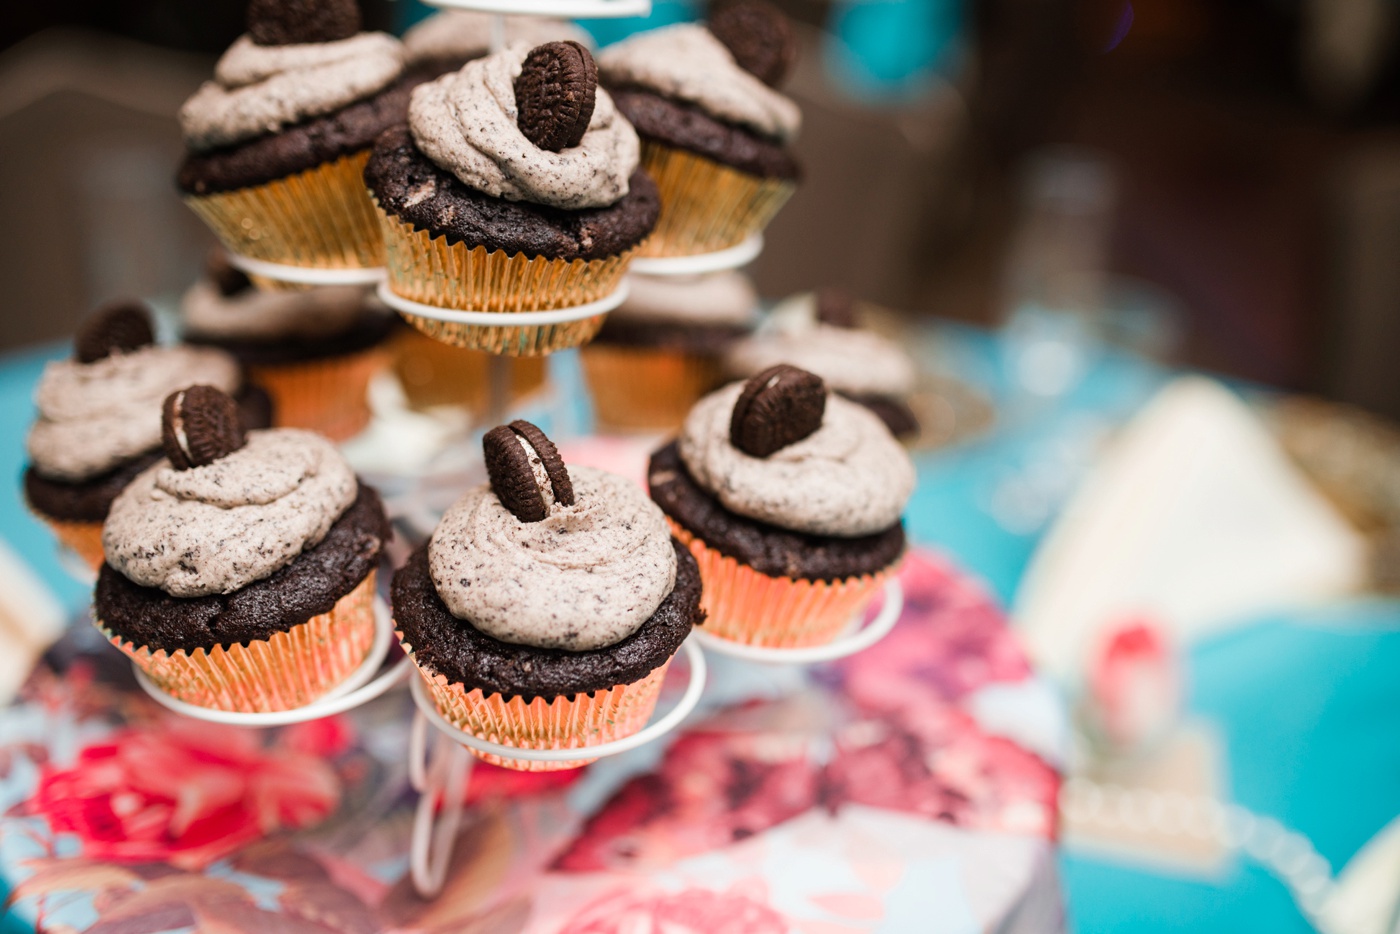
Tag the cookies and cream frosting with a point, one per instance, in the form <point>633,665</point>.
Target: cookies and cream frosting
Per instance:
<point>259,89</point>
<point>847,479</point>
<point>848,360</point>
<point>587,576</point>
<point>253,314</point>
<point>94,416</point>
<point>461,35</point>
<point>687,63</point>
<point>465,122</point>
<point>217,528</point>
<point>720,298</point>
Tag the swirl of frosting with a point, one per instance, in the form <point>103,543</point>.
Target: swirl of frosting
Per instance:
<point>259,89</point>
<point>687,63</point>
<point>720,298</point>
<point>94,416</point>
<point>216,528</point>
<point>587,576</point>
<point>465,122</point>
<point>847,359</point>
<point>847,479</point>
<point>253,314</point>
<point>461,35</point>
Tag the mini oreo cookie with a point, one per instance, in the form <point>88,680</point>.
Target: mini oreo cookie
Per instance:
<point>836,307</point>
<point>199,425</point>
<point>555,94</point>
<point>512,477</point>
<point>758,35</point>
<point>780,406</point>
<point>120,326</point>
<point>227,278</point>
<point>291,22</point>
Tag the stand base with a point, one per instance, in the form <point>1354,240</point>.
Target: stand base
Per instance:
<point>701,263</point>
<point>306,275</point>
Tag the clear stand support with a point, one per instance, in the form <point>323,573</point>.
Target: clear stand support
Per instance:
<point>444,778</point>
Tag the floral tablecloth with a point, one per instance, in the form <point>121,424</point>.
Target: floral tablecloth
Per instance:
<point>906,788</point>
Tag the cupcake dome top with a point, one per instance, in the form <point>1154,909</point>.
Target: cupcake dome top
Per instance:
<point>782,450</point>
<point>224,510</point>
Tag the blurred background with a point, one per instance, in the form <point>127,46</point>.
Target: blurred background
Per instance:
<point>1229,170</point>
<point>1081,197</point>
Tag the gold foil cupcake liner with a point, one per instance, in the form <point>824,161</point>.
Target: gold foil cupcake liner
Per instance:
<point>644,388</point>
<point>288,669</point>
<point>329,396</point>
<point>706,206</point>
<point>84,539</point>
<point>562,723</point>
<point>320,218</point>
<point>453,276</point>
<point>743,605</point>
<point>433,373</point>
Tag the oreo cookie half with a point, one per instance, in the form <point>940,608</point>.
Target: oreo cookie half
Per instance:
<point>199,425</point>
<point>555,94</point>
<point>758,35</point>
<point>780,406</point>
<point>117,327</point>
<point>227,278</point>
<point>512,475</point>
<point>291,22</point>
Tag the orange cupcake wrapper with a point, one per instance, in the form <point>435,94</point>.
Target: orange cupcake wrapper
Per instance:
<point>83,538</point>
<point>431,271</point>
<point>706,206</point>
<point>289,669</point>
<point>562,723</point>
<point>745,606</point>
<point>329,396</point>
<point>321,218</point>
<point>640,388</point>
<point>434,373</point>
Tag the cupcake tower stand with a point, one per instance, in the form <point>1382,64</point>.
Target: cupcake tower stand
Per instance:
<point>441,774</point>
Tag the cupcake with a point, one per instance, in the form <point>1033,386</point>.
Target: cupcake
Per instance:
<point>514,187</point>
<point>820,332</point>
<point>448,40</point>
<point>664,347</point>
<point>99,418</point>
<point>277,142</point>
<point>547,605</point>
<point>314,350</point>
<point>790,499</point>
<point>715,133</point>
<point>240,569</point>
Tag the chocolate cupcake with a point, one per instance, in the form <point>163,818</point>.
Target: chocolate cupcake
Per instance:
<point>715,134</point>
<point>448,40</point>
<point>99,418</point>
<point>545,609</point>
<point>513,188</point>
<point>664,347</point>
<point>314,350</point>
<point>790,499</point>
<point>277,142</point>
<point>821,332</point>
<point>240,568</point>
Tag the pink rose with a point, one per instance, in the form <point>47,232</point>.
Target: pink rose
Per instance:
<point>183,792</point>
